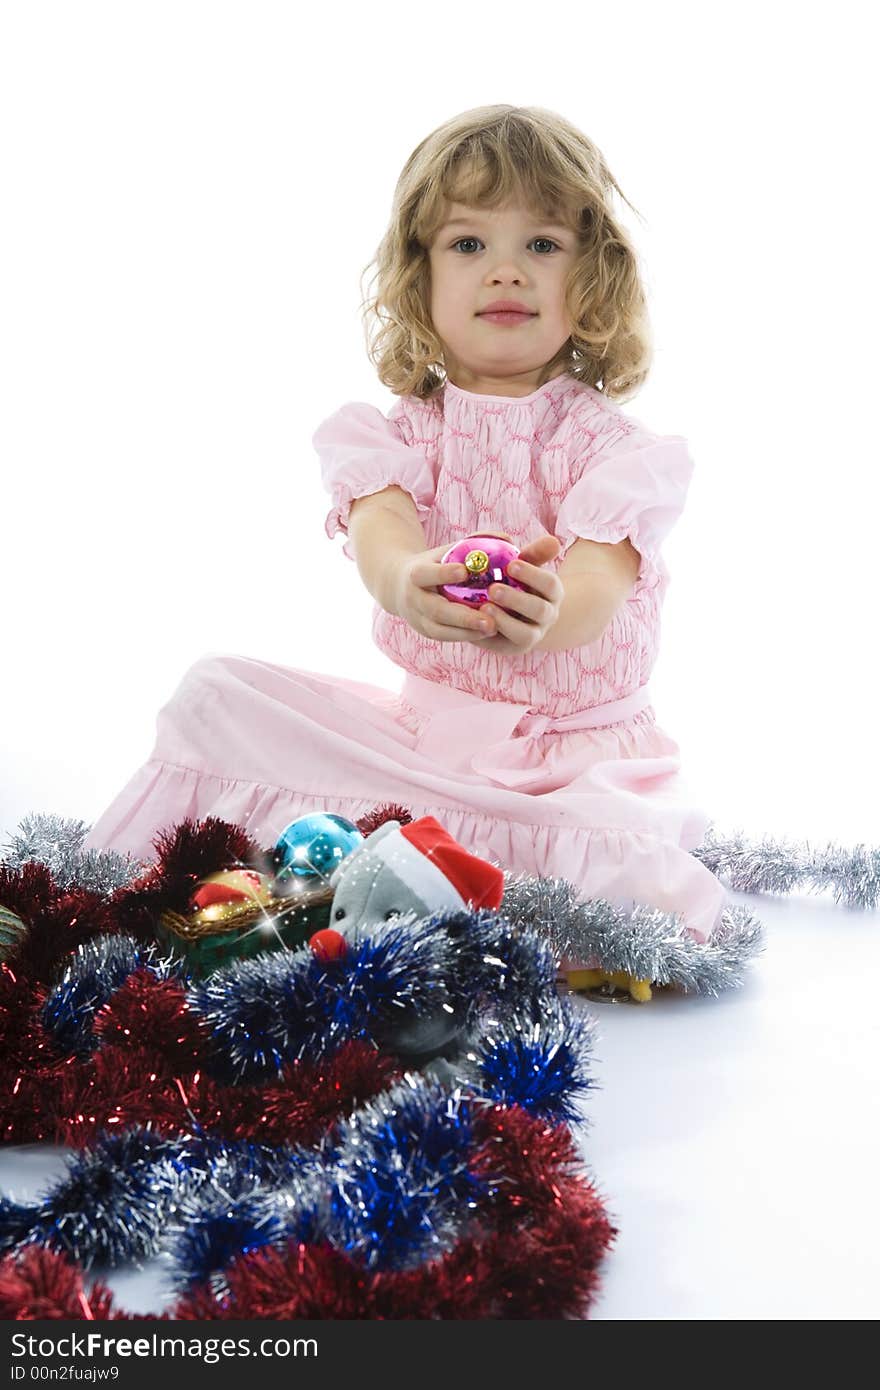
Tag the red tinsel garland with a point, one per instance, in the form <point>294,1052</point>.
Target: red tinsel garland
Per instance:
<point>533,1251</point>
<point>537,1259</point>
<point>38,1283</point>
<point>149,1069</point>
<point>59,919</point>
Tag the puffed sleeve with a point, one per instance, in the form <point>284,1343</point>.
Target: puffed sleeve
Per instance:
<point>635,487</point>
<point>362,451</point>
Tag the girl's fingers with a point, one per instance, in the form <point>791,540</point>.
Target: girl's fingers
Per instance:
<point>547,546</point>
<point>543,582</point>
<point>540,551</point>
<point>445,613</point>
<point>518,632</point>
<point>428,574</point>
<point>528,607</point>
<point>441,632</point>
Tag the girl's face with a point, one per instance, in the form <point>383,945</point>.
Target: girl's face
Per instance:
<point>479,256</point>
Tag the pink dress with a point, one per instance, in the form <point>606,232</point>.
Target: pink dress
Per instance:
<point>547,763</point>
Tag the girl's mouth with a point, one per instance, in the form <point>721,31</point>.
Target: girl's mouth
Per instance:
<point>506,317</point>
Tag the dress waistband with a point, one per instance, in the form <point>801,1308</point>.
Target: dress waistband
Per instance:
<point>471,734</point>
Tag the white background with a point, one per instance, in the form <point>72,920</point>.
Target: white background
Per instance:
<point>191,192</point>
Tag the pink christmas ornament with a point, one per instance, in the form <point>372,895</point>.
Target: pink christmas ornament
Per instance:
<point>486,559</point>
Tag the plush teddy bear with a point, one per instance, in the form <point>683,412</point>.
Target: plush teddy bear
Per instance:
<point>411,871</point>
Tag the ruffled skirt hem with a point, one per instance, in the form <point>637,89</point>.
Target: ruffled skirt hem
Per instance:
<point>341,746</point>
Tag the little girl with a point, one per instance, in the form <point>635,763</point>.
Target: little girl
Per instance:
<point>512,318</point>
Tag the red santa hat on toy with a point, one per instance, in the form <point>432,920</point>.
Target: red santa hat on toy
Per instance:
<point>438,869</point>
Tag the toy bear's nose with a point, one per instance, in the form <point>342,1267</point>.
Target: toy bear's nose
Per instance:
<point>328,944</point>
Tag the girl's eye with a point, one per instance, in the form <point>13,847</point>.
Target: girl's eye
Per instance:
<point>547,239</point>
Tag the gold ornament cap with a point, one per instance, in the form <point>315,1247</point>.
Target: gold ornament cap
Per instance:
<point>476,562</point>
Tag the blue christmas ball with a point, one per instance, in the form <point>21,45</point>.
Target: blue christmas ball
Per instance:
<point>313,846</point>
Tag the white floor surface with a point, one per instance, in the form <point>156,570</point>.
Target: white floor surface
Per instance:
<point>736,1141</point>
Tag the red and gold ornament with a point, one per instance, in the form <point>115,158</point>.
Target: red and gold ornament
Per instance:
<point>236,913</point>
<point>224,896</point>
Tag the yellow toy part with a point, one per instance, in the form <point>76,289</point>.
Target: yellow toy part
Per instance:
<point>639,990</point>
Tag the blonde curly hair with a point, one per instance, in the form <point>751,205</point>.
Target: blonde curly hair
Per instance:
<point>485,158</point>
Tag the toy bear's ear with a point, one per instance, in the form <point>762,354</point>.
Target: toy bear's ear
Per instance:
<point>378,834</point>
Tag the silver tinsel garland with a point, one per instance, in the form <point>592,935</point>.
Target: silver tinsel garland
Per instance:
<point>779,866</point>
<point>646,943</point>
<point>57,842</point>
<point>391,1184</point>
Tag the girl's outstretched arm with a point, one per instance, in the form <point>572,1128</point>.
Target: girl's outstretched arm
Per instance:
<point>384,528</point>
<point>597,578</point>
<point>402,574</point>
<point>571,608</point>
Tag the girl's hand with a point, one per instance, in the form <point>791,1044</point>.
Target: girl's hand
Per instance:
<point>524,616</point>
<point>415,598</point>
